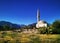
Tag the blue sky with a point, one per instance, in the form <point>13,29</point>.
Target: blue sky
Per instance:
<point>24,11</point>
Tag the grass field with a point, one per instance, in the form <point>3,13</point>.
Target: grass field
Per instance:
<point>16,37</point>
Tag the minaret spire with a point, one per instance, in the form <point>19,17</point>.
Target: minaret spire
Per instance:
<point>38,15</point>
<point>40,23</point>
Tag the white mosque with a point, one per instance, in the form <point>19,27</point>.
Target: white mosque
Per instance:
<point>40,23</point>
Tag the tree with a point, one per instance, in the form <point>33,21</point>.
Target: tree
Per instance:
<point>42,30</point>
<point>1,28</point>
<point>56,24</point>
<point>6,27</point>
<point>56,27</point>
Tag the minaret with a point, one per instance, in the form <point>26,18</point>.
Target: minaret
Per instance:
<point>40,23</point>
<point>38,15</point>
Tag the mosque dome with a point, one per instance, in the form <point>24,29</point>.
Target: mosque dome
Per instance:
<point>41,24</point>
<point>41,21</point>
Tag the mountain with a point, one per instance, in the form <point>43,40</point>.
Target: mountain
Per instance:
<point>12,25</point>
<point>5,25</point>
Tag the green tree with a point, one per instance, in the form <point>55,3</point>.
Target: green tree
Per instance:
<point>56,26</point>
<point>42,30</point>
<point>1,28</point>
<point>6,27</point>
